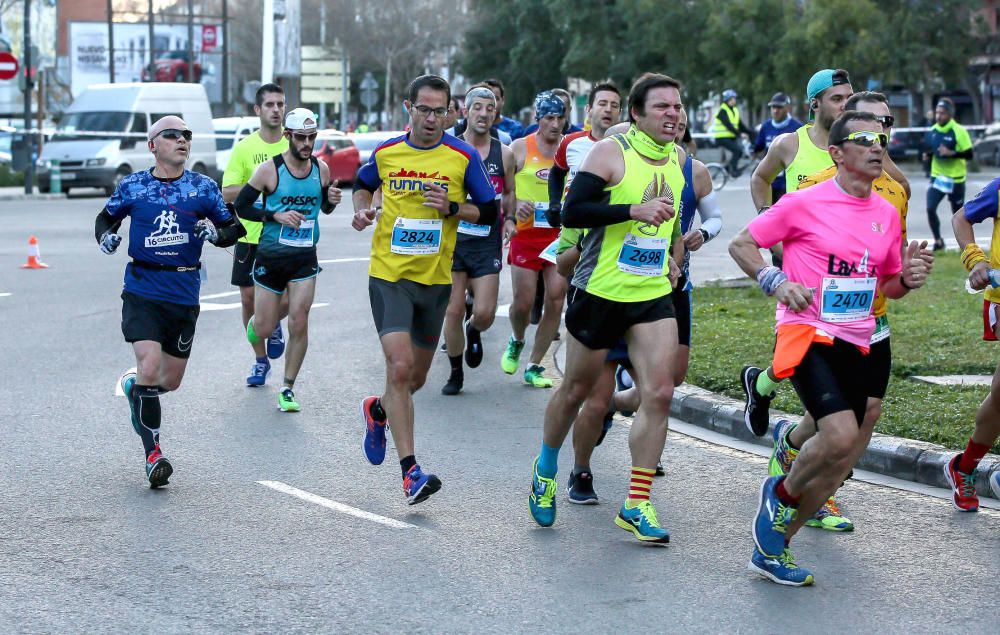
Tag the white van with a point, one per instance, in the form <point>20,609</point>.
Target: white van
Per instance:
<point>91,148</point>
<point>228,132</point>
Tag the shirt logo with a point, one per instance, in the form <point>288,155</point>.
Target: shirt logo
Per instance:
<point>405,180</point>
<point>168,232</point>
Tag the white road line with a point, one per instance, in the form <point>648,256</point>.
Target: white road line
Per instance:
<point>224,294</point>
<point>335,506</point>
<point>5,295</point>
<point>503,310</point>
<point>222,306</point>
<point>334,260</point>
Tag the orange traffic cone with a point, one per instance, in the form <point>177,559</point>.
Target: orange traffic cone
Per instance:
<point>34,258</point>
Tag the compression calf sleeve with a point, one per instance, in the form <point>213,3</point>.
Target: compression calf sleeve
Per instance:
<point>146,401</point>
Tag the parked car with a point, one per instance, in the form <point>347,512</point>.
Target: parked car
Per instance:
<point>987,147</point>
<point>102,136</point>
<point>368,141</point>
<point>172,67</point>
<point>340,154</point>
<point>905,145</point>
<point>228,131</point>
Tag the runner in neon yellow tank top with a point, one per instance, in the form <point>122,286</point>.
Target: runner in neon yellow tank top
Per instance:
<point>624,194</point>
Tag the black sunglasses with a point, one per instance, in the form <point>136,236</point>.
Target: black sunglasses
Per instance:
<point>174,134</point>
<point>886,120</point>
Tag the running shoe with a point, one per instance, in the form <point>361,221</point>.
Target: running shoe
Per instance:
<point>829,518</point>
<point>783,453</point>
<point>609,420</point>
<point>659,469</point>
<point>534,376</point>
<point>454,385</point>
<point>418,487</point>
<point>623,382</point>
<point>581,489</point>
<point>127,381</point>
<point>641,521</point>
<point>276,343</point>
<point>780,569</point>
<point>995,483</point>
<point>755,411</point>
<point>251,334</point>
<point>542,501</point>
<point>158,468</point>
<point>963,486</point>
<point>286,401</point>
<point>473,346</point>
<point>772,519</point>
<point>259,373</point>
<point>374,444</point>
<point>512,356</point>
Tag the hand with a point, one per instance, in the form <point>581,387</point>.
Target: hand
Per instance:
<point>654,212</point>
<point>943,151</point>
<point>927,256</point>
<point>363,218</point>
<point>205,230</point>
<point>436,197</point>
<point>915,268</point>
<point>674,272</point>
<point>110,242</point>
<point>793,295</point>
<point>290,218</point>
<point>509,231</point>
<point>693,240</point>
<point>524,211</point>
<point>553,216</point>
<point>333,193</point>
<point>979,277</point>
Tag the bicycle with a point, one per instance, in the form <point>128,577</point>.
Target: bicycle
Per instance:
<point>719,171</point>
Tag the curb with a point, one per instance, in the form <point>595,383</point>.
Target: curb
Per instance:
<point>901,458</point>
<point>31,197</point>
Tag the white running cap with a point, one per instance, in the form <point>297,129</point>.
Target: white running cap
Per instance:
<point>300,119</point>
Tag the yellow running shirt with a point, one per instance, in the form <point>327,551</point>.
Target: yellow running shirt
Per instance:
<point>808,160</point>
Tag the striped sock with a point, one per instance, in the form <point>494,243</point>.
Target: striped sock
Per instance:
<point>640,483</point>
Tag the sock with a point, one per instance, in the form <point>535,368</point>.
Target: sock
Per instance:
<point>263,360</point>
<point>765,387</point>
<point>640,482</point>
<point>580,469</point>
<point>784,496</point>
<point>146,400</point>
<point>289,383</point>
<point>535,367</point>
<point>969,459</point>
<point>406,463</point>
<point>377,413</point>
<point>548,461</point>
<point>456,364</point>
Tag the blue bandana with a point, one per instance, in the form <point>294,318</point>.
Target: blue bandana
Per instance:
<point>546,103</point>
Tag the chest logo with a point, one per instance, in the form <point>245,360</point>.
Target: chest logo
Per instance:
<point>657,188</point>
<point>168,231</point>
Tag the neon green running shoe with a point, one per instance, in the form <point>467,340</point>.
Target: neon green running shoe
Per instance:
<point>533,376</point>
<point>641,521</point>
<point>783,453</point>
<point>286,401</point>
<point>252,337</point>
<point>830,518</point>
<point>512,356</point>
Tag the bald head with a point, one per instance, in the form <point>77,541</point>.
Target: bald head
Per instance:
<point>166,123</point>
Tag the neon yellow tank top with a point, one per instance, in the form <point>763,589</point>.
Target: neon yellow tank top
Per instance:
<point>808,160</point>
<point>627,262</point>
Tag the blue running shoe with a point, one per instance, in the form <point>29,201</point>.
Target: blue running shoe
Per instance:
<point>259,373</point>
<point>542,501</point>
<point>158,468</point>
<point>782,454</point>
<point>374,432</point>
<point>581,489</point>
<point>641,521</point>
<point>127,381</point>
<point>276,343</point>
<point>772,519</point>
<point>623,382</point>
<point>418,486</point>
<point>995,484</point>
<point>781,569</point>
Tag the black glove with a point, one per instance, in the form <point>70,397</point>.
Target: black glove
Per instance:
<point>553,216</point>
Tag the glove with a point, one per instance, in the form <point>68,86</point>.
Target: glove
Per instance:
<point>206,231</point>
<point>110,242</point>
<point>553,216</point>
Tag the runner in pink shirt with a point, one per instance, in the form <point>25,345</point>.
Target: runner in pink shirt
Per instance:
<point>841,243</point>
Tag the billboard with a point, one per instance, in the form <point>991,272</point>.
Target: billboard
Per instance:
<point>88,54</point>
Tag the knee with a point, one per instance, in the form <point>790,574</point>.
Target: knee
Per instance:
<point>400,371</point>
<point>170,384</point>
<point>484,316</point>
<point>658,398</point>
<point>873,411</point>
<point>521,302</point>
<point>576,392</point>
<point>455,312</point>
<point>840,443</point>
<point>298,323</point>
<point>417,381</point>
<point>148,370</point>
<point>597,405</point>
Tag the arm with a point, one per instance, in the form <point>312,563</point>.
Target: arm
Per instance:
<point>331,193</point>
<point>777,159</point>
<point>983,206</point>
<point>708,209</point>
<point>368,182</point>
<point>557,181</point>
<point>509,202</point>
<point>236,175</point>
<point>224,229</point>
<point>264,180</point>
<point>912,275</point>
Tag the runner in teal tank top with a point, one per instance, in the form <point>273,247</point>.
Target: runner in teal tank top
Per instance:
<point>295,187</point>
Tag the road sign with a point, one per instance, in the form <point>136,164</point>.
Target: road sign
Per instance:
<point>209,37</point>
<point>369,91</point>
<point>8,66</point>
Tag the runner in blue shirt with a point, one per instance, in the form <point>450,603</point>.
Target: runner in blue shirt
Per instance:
<point>173,212</point>
<point>781,122</point>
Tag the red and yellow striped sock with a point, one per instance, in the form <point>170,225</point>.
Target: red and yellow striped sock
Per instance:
<point>640,483</point>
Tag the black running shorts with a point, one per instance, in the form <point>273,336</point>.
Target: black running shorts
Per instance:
<point>599,323</point>
<point>405,306</point>
<point>832,378</point>
<point>477,262</point>
<point>243,258</point>
<point>275,272</point>
<point>172,325</point>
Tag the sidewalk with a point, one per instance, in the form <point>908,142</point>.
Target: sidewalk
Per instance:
<point>17,194</point>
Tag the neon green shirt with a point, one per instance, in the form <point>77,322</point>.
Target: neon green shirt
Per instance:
<point>954,136</point>
<point>247,154</point>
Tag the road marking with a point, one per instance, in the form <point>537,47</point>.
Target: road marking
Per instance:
<point>5,295</point>
<point>222,306</point>
<point>503,310</point>
<point>224,294</point>
<point>335,506</point>
<point>335,260</point>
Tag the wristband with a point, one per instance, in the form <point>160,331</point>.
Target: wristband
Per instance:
<point>761,210</point>
<point>972,255</point>
<point>704,235</point>
<point>770,278</point>
<point>452,209</point>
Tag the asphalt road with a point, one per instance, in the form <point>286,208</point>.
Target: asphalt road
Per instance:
<point>85,546</point>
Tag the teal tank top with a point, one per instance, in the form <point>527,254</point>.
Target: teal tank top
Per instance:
<point>303,195</point>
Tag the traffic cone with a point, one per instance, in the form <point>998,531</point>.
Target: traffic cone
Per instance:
<point>34,258</point>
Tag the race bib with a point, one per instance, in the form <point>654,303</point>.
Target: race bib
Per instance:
<point>301,237</point>
<point>549,253</point>
<point>643,256</point>
<point>416,236</point>
<point>541,219</point>
<point>943,184</point>
<point>881,329</point>
<point>471,229</point>
<point>846,299</point>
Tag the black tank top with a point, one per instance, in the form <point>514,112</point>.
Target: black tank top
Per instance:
<point>471,236</point>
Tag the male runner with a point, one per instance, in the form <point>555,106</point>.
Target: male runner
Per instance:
<point>781,122</point>
<point>479,249</point>
<point>961,469</point>
<point>532,233</point>
<point>248,153</point>
<point>788,436</point>
<point>951,147</point>
<point>569,127</point>
<point>624,195</point>
<point>842,245</point>
<point>295,187</point>
<point>510,126</point>
<point>173,213</point>
<point>425,177</point>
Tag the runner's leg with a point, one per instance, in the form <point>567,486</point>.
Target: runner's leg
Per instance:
<point>300,298</point>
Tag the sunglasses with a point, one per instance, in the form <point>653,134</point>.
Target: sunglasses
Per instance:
<point>304,137</point>
<point>866,139</point>
<point>174,134</point>
<point>886,120</point>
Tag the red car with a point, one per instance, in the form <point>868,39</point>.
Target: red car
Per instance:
<point>172,67</point>
<point>340,154</point>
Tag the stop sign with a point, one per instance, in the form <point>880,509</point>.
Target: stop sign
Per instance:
<point>8,66</point>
